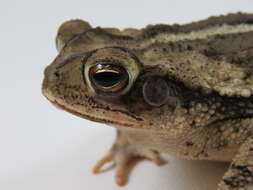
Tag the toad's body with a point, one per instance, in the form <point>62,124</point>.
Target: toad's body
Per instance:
<point>183,90</point>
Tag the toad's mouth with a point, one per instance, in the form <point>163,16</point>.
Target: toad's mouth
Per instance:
<point>133,124</point>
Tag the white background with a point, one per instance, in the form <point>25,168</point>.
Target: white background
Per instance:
<point>42,148</point>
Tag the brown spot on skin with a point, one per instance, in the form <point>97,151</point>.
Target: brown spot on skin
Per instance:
<point>189,143</point>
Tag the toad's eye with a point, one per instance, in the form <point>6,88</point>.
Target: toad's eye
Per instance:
<point>108,78</point>
<point>111,71</point>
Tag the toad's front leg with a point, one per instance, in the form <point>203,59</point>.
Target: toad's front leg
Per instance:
<point>240,174</point>
<point>123,154</point>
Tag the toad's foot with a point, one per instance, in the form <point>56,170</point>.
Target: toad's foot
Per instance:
<point>124,156</point>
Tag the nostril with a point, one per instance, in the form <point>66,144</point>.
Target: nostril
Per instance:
<point>51,74</point>
<point>57,74</point>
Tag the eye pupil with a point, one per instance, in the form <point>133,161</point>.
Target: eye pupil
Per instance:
<point>107,79</point>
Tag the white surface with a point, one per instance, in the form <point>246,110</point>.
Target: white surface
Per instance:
<point>43,148</point>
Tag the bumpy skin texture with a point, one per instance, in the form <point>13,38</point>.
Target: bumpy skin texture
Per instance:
<point>202,108</point>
